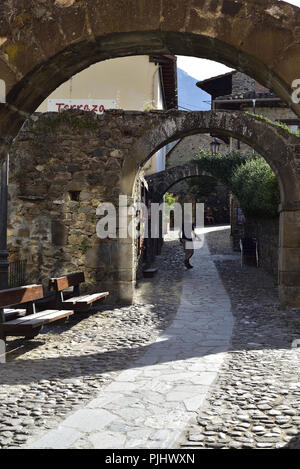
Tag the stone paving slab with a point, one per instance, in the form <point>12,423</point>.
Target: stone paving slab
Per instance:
<point>149,405</point>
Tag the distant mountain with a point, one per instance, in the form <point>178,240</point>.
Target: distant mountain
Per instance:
<point>190,97</point>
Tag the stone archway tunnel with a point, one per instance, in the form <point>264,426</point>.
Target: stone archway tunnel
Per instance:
<point>107,153</point>
<point>159,183</point>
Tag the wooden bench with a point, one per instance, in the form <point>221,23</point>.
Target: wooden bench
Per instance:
<point>77,302</point>
<point>12,313</point>
<point>30,323</point>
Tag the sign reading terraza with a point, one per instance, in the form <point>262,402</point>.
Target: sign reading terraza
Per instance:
<point>94,105</point>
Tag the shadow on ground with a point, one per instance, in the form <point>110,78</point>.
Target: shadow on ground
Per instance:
<point>260,324</point>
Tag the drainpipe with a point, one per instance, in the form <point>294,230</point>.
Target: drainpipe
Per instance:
<point>3,226</point>
<point>153,86</point>
<point>244,101</point>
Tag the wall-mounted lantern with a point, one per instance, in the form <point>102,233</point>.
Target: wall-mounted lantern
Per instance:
<point>214,146</point>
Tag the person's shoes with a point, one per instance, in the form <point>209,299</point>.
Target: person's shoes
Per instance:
<point>189,266</point>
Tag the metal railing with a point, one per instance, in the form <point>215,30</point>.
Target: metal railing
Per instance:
<point>17,274</point>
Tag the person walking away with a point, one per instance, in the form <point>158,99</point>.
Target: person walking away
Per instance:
<point>187,235</point>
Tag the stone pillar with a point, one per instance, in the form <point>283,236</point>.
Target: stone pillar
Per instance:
<point>127,272</point>
<point>289,257</point>
<point>127,256</point>
<point>111,261</point>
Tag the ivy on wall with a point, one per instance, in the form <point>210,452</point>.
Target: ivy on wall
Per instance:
<point>275,123</point>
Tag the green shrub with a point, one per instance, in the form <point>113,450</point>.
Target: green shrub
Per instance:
<point>221,166</point>
<point>257,189</point>
<point>248,176</point>
<point>201,186</point>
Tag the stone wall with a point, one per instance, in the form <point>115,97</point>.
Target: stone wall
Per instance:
<point>242,83</point>
<point>217,200</point>
<point>236,222</point>
<point>274,113</point>
<point>266,231</point>
<point>61,170</point>
<point>189,147</point>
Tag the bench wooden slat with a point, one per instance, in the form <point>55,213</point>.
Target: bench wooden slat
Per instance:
<point>14,310</point>
<point>35,320</point>
<point>27,318</point>
<point>42,315</point>
<point>11,313</point>
<point>15,296</point>
<point>73,299</point>
<point>70,280</point>
<point>87,299</point>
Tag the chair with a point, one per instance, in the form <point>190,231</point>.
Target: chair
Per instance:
<point>249,250</point>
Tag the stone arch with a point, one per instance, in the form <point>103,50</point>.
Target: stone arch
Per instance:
<point>276,145</point>
<point>43,45</point>
<point>159,183</point>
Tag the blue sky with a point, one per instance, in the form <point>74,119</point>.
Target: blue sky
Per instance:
<point>202,69</point>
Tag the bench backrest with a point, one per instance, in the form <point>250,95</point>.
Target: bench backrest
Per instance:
<point>15,296</point>
<point>70,280</point>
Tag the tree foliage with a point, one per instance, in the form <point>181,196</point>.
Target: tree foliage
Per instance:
<point>248,176</point>
<point>201,186</point>
<point>170,199</point>
<point>257,188</point>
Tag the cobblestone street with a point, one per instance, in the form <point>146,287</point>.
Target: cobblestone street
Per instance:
<point>255,401</point>
<point>251,384</point>
<point>47,378</point>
